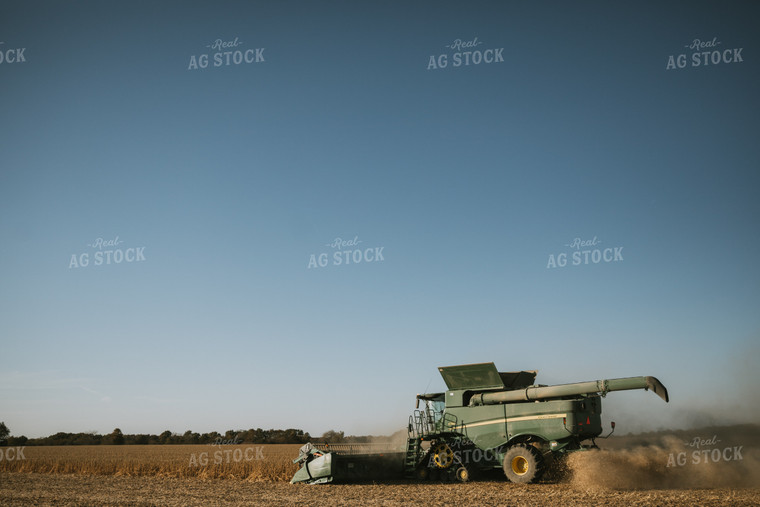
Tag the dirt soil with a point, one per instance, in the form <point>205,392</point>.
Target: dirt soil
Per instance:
<point>64,490</point>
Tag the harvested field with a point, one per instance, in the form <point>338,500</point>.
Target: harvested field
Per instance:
<point>635,470</point>
<point>70,490</point>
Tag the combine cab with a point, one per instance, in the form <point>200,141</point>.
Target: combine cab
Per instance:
<point>485,420</point>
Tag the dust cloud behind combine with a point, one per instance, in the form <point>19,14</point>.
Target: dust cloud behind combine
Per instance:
<point>714,457</point>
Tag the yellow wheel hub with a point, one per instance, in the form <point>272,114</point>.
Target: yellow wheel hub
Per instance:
<point>443,456</point>
<point>520,465</point>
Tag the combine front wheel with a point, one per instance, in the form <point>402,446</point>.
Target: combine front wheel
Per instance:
<point>523,464</point>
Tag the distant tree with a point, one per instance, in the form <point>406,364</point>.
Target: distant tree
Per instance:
<point>333,436</point>
<point>116,437</point>
<point>209,438</point>
<point>190,438</point>
<point>4,433</point>
<point>22,440</point>
<point>141,439</point>
<point>89,438</point>
<point>295,436</point>
<point>259,436</point>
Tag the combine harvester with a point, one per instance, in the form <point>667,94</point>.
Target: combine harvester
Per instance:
<point>485,420</point>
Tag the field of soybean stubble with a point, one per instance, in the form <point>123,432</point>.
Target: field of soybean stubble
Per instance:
<point>633,473</point>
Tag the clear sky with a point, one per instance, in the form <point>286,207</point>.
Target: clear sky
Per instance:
<point>464,184</point>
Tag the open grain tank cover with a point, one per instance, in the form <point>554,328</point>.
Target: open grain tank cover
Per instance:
<point>484,376</point>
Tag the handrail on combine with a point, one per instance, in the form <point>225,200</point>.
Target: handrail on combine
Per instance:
<point>422,423</point>
<point>425,423</point>
<point>450,424</point>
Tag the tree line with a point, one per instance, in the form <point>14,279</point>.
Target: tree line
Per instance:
<point>251,436</point>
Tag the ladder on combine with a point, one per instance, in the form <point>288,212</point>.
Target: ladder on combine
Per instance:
<point>428,425</point>
<point>412,457</point>
<point>421,425</point>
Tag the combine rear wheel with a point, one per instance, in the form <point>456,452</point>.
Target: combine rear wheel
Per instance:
<point>463,475</point>
<point>523,464</point>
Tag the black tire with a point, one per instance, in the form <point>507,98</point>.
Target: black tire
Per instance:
<point>523,464</point>
<point>462,474</point>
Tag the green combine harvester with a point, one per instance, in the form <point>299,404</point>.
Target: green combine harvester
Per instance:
<point>485,420</point>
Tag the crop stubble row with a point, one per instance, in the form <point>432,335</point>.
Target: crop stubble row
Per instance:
<point>268,463</point>
<point>176,475</point>
<point>65,490</point>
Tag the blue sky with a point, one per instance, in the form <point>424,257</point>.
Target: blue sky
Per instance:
<point>468,178</point>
